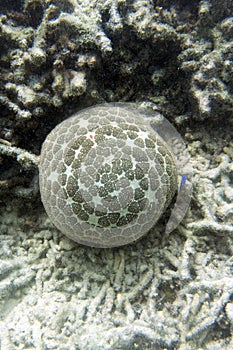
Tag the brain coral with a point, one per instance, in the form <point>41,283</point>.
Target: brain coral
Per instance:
<point>107,175</point>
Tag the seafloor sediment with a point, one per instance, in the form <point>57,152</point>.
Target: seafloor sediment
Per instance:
<point>173,291</point>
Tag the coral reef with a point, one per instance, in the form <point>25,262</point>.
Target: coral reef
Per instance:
<point>211,85</point>
<point>172,291</point>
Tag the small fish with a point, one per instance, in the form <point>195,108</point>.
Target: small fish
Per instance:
<point>183,180</point>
